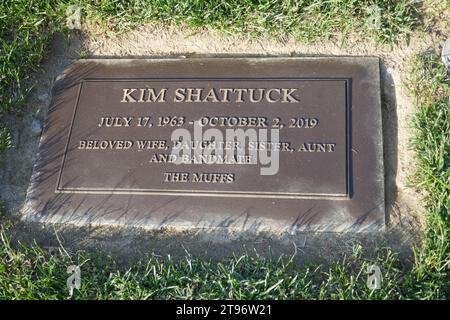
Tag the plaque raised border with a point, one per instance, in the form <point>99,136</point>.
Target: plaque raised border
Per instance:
<point>222,193</point>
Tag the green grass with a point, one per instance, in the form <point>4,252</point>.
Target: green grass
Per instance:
<point>430,85</point>
<point>25,29</point>
<point>29,272</point>
<point>5,139</point>
<point>305,20</point>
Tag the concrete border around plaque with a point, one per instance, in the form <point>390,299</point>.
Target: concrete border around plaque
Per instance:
<point>104,152</point>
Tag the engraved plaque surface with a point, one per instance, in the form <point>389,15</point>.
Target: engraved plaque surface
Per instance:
<point>275,144</point>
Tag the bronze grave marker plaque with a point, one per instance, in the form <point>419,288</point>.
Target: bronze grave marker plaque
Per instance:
<point>241,143</point>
